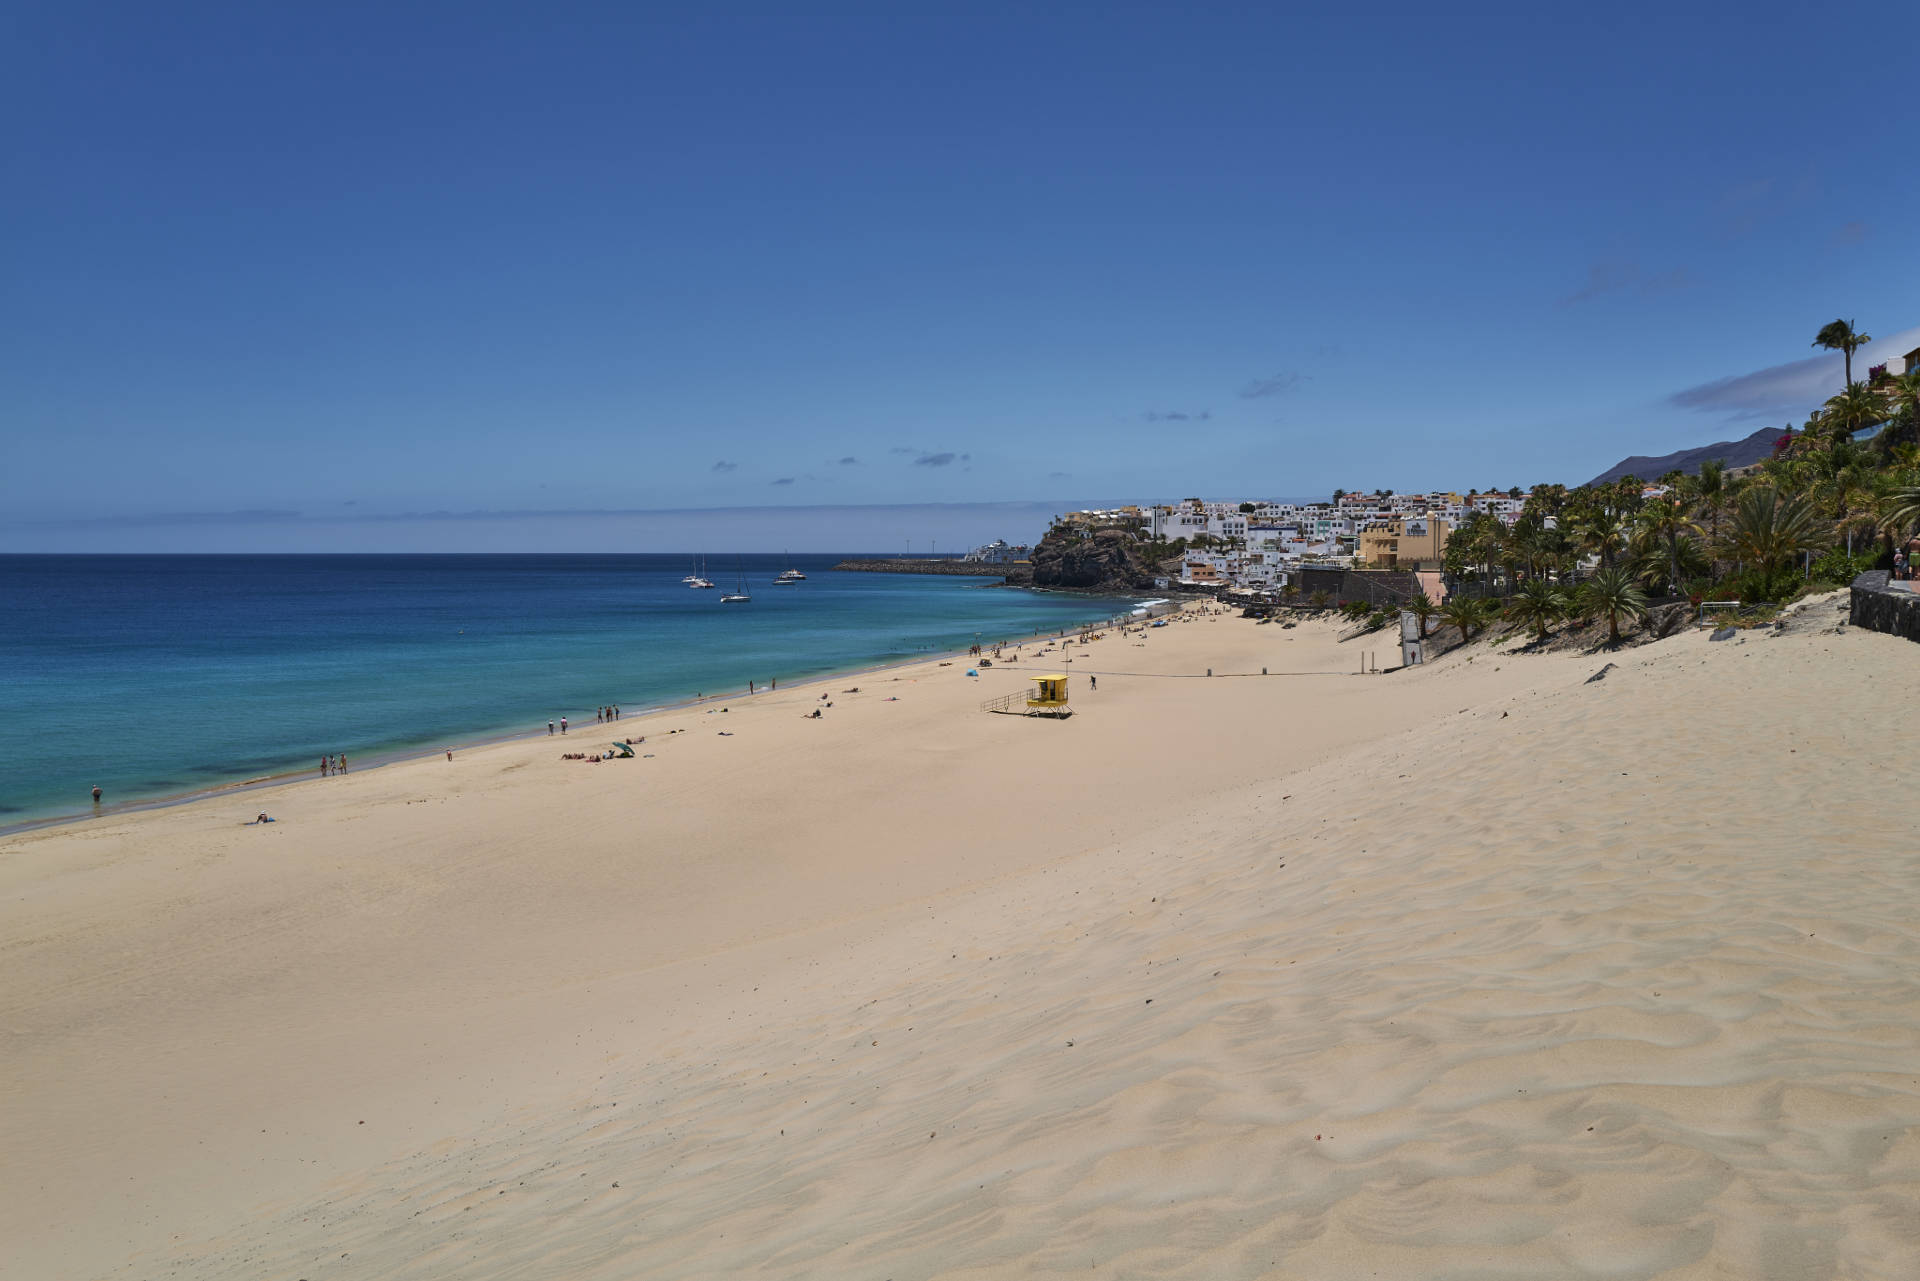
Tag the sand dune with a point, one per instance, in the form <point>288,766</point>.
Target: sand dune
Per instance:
<point>1478,970</point>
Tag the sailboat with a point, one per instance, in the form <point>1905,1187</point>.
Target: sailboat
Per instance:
<point>699,579</point>
<point>789,576</point>
<point>738,596</point>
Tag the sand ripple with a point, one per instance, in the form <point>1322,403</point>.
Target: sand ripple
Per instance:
<point>1610,988</point>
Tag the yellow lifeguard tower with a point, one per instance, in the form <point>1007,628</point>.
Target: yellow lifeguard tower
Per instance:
<point>1050,696</point>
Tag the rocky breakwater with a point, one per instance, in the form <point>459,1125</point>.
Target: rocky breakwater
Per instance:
<point>958,568</point>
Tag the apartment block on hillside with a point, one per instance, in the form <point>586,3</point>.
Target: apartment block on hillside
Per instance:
<point>1415,542</point>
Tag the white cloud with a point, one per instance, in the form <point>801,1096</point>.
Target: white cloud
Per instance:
<point>1793,389</point>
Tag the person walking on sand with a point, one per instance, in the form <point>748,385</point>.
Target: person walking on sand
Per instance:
<point>563,724</point>
<point>324,767</point>
<point>449,753</point>
<point>549,727</point>
<point>343,762</point>
<point>1093,682</point>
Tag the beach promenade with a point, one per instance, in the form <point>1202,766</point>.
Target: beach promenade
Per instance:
<point>1475,969</point>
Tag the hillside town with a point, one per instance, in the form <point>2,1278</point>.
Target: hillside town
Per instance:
<point>1261,546</point>
<point>1846,465</point>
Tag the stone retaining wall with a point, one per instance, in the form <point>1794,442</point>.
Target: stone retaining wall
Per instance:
<point>1878,608</point>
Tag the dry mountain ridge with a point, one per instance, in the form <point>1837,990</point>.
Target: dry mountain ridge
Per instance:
<point>1734,453</point>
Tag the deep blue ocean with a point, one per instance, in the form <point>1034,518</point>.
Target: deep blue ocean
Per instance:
<point>153,676</point>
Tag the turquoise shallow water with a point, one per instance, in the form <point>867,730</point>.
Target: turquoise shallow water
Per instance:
<point>157,675</point>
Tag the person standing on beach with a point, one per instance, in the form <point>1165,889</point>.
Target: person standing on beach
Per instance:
<point>549,727</point>
<point>343,762</point>
<point>563,724</point>
<point>323,766</point>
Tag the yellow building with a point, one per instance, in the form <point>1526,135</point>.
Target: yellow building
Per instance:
<point>1408,542</point>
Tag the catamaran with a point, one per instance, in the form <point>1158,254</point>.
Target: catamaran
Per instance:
<point>789,575</point>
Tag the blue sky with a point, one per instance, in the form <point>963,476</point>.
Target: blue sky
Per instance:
<point>442,276</point>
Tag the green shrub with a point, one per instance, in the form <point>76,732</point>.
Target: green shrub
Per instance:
<point>1761,585</point>
<point>1836,568</point>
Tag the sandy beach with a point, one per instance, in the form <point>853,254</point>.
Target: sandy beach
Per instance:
<point>1479,969</point>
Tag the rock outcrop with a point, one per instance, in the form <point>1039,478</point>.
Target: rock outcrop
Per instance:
<point>1107,560</point>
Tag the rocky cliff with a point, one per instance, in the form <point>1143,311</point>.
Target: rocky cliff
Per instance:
<point>1108,560</point>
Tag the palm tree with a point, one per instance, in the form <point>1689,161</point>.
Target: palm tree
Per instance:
<point>1474,545</point>
<point>1423,609</point>
<point>1468,613</point>
<point>1524,544</point>
<point>1839,335</point>
<point>1495,543</point>
<point>1903,397</point>
<point>1709,491</point>
<point>1856,407</point>
<point>1860,493</point>
<point>1899,513</point>
<point>1613,592</point>
<point>1605,533</point>
<point>1665,527</point>
<point>1770,530</point>
<point>1539,605</point>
